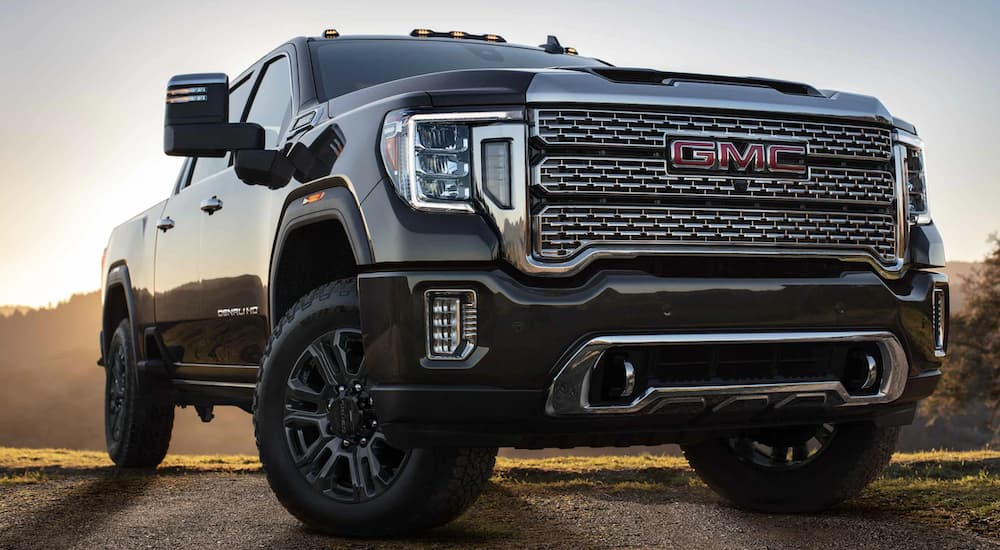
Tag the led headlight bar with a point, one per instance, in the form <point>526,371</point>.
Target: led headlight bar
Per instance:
<point>428,156</point>
<point>914,175</point>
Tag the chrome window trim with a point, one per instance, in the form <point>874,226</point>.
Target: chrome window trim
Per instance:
<point>568,393</point>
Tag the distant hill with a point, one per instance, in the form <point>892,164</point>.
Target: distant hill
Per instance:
<point>53,392</point>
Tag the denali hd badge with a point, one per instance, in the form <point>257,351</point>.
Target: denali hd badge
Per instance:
<point>238,311</point>
<point>735,157</point>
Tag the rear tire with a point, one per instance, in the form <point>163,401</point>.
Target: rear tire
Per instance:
<point>319,441</point>
<point>776,471</point>
<point>138,407</point>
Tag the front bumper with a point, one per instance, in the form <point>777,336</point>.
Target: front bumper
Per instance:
<point>498,396</point>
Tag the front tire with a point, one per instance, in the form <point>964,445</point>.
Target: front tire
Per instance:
<point>793,470</point>
<point>138,407</point>
<point>319,441</point>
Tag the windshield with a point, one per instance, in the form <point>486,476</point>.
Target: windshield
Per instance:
<point>344,66</point>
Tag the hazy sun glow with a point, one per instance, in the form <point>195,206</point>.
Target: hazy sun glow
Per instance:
<point>82,92</point>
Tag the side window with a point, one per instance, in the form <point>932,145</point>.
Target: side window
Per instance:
<point>209,166</point>
<point>272,104</point>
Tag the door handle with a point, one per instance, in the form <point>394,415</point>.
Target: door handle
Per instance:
<point>211,205</point>
<point>165,224</point>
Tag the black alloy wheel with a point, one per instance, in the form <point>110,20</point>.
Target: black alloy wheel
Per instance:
<point>785,448</point>
<point>330,425</point>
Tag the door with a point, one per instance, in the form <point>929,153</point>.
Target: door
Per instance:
<point>236,241</point>
<point>181,315</point>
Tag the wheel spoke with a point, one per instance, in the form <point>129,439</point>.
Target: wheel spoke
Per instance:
<point>780,454</point>
<point>298,390</point>
<point>342,340</point>
<point>320,476</point>
<point>800,452</point>
<point>328,367</point>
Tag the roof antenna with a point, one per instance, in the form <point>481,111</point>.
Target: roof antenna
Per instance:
<point>552,45</point>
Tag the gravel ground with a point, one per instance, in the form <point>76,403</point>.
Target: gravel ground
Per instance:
<point>97,508</point>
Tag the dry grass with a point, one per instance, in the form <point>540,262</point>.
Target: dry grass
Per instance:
<point>56,460</point>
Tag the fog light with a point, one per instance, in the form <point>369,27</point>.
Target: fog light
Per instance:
<point>496,172</point>
<point>451,323</point>
<point>939,319</point>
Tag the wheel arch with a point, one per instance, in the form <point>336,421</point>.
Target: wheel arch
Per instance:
<point>118,304</point>
<point>333,225</point>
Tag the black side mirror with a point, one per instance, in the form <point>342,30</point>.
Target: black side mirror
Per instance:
<point>197,119</point>
<point>268,167</point>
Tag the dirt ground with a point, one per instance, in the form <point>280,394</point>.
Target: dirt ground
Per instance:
<point>63,499</point>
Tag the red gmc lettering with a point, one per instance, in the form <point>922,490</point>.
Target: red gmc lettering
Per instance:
<point>754,153</point>
<point>726,155</point>
<point>774,163</point>
<point>702,154</point>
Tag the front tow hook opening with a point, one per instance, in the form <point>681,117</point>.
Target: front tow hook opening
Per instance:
<point>862,371</point>
<point>614,380</point>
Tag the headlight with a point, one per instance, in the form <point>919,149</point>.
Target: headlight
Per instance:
<point>428,156</point>
<point>914,175</point>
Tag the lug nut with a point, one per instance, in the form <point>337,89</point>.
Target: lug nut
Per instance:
<point>340,388</point>
<point>346,443</point>
<point>357,387</point>
<point>374,423</point>
<point>364,441</point>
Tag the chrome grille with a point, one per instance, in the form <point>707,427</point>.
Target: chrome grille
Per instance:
<point>641,176</point>
<point>600,183</point>
<point>562,231</point>
<point>647,129</point>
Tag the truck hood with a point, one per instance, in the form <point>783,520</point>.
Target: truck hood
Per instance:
<point>659,89</point>
<point>611,86</point>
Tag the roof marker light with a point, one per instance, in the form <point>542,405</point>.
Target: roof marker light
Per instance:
<point>429,33</point>
<point>330,33</point>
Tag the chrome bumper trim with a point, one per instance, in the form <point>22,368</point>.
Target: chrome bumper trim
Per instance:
<point>568,394</point>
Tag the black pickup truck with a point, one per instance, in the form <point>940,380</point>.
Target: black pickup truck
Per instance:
<point>400,253</point>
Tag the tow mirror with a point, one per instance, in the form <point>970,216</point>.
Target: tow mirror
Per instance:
<point>197,119</point>
<point>270,168</point>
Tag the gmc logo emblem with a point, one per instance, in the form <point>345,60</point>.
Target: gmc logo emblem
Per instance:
<point>696,155</point>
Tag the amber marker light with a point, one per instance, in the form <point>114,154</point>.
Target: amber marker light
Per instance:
<point>315,197</point>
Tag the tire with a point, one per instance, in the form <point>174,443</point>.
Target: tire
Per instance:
<point>138,408</point>
<point>311,374</point>
<point>852,456</point>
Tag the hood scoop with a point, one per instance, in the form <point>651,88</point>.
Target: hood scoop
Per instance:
<point>664,78</point>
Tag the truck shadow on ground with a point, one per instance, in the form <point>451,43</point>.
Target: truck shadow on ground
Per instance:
<point>87,506</point>
<point>522,506</point>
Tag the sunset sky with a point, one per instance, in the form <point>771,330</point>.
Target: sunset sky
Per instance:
<point>82,92</point>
